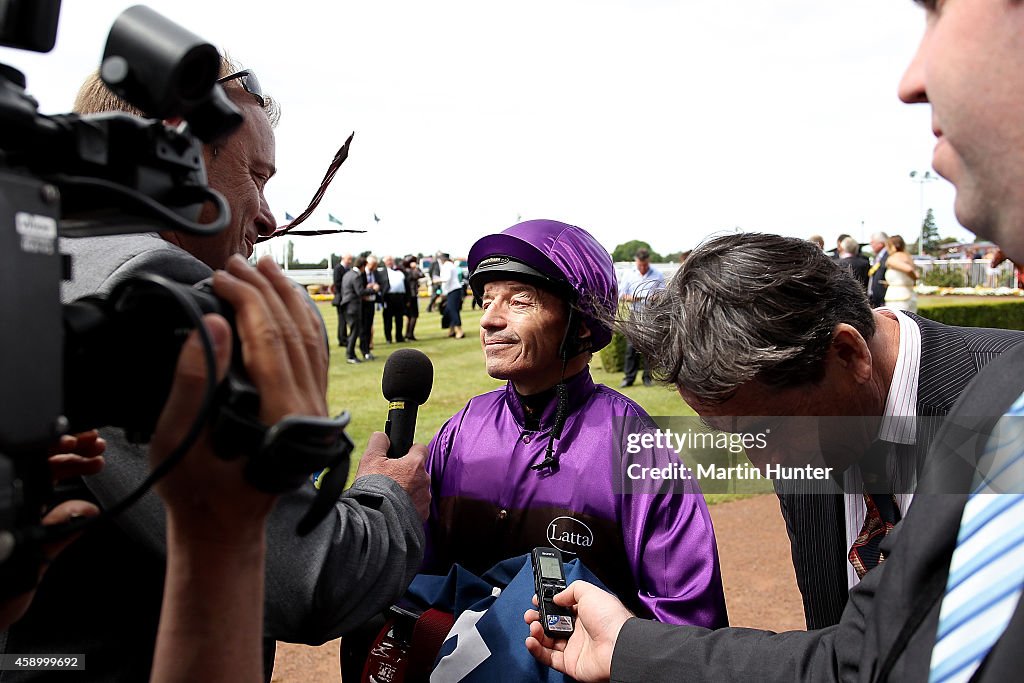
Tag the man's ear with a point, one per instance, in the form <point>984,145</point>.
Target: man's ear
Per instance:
<point>849,351</point>
<point>584,331</point>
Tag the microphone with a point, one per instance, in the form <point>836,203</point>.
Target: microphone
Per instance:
<point>408,377</point>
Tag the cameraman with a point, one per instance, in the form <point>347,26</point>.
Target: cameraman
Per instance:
<point>356,562</point>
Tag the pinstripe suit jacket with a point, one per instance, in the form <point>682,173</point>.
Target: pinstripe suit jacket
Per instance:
<point>815,511</point>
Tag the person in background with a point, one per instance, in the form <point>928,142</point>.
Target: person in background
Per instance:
<point>634,287</point>
<point>436,291</point>
<point>376,284</point>
<point>354,293</point>
<point>451,286</point>
<point>834,253</point>
<point>395,300</point>
<point>876,274</point>
<point>344,265</point>
<point>817,240</point>
<point>852,262</point>
<point>413,275</point>
<point>900,276</point>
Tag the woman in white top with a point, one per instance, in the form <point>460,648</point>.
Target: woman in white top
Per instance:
<point>900,275</point>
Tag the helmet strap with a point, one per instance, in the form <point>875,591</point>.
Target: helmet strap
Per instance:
<point>572,344</point>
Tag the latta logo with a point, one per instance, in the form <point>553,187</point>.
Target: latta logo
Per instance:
<point>569,534</point>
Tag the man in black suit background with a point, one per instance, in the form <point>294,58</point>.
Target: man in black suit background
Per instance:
<point>344,265</point>
<point>834,254</point>
<point>876,274</point>
<point>376,280</point>
<point>356,292</point>
<point>902,622</point>
<point>851,260</point>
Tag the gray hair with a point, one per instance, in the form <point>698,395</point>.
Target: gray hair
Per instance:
<point>879,237</point>
<point>850,246</point>
<point>747,307</point>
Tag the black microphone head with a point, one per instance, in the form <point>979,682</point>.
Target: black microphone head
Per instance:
<point>408,376</point>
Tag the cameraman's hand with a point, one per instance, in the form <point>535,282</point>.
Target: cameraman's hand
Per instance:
<point>75,455</point>
<point>283,346</point>
<point>14,608</point>
<point>207,497</point>
<point>587,654</point>
<point>408,470</point>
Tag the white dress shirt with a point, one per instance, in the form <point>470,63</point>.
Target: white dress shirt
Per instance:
<point>899,426</point>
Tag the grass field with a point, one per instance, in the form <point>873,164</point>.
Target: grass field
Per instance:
<point>459,374</point>
<point>961,299</point>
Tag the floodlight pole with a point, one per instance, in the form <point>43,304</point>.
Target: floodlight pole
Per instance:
<point>921,179</point>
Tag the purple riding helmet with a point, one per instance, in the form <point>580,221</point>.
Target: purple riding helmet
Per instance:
<point>559,257</point>
<point>567,261</point>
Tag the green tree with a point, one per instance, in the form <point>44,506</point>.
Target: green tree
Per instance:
<point>673,257</point>
<point>627,251</point>
<point>930,234</point>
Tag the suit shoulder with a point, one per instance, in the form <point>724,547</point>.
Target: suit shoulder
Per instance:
<point>976,340</point>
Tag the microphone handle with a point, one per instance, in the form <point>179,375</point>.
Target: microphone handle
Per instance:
<point>400,427</point>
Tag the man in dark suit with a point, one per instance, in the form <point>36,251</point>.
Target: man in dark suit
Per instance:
<point>834,254</point>
<point>376,281</point>
<point>876,274</point>
<point>882,379</point>
<point>817,515</point>
<point>851,261</point>
<point>355,292</point>
<point>945,605</point>
<point>344,265</point>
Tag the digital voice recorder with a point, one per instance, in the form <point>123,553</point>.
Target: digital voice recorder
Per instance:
<point>548,581</point>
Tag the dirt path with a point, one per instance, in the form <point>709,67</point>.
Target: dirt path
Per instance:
<point>760,589</point>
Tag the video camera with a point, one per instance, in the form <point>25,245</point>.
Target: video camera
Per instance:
<point>109,360</point>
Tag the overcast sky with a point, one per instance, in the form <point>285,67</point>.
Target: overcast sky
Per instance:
<point>636,119</point>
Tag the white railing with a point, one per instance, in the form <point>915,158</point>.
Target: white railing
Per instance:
<point>975,273</point>
<point>312,276</point>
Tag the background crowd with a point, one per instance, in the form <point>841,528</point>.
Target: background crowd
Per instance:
<point>364,285</point>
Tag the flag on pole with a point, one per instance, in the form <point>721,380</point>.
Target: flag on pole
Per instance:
<point>332,219</point>
<point>376,218</point>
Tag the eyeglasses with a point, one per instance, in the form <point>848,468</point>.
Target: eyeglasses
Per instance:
<point>250,84</point>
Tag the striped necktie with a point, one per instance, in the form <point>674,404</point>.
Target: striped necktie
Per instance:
<point>986,573</point>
